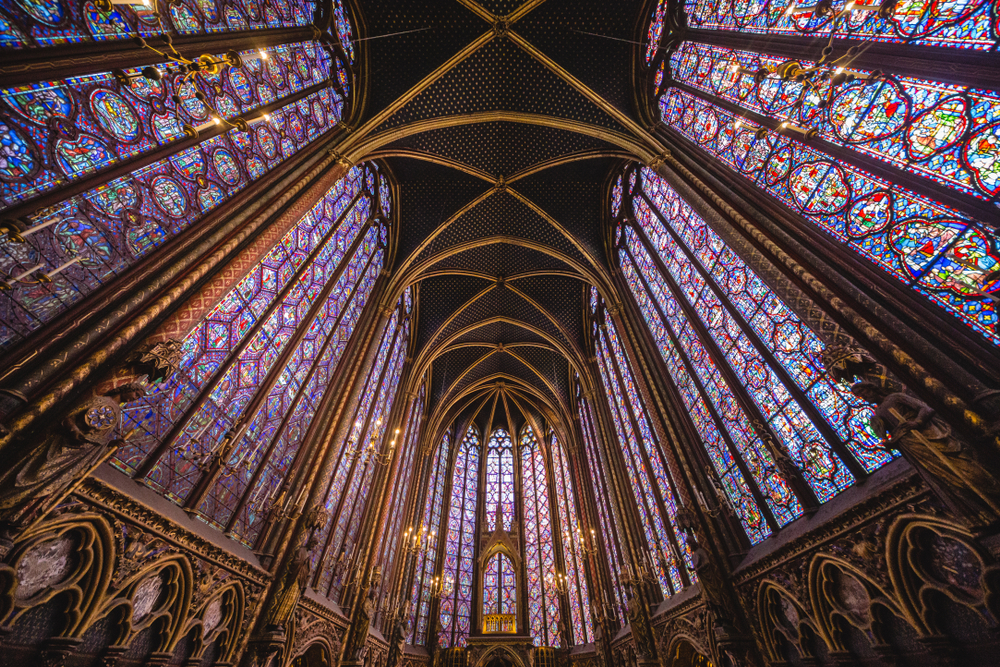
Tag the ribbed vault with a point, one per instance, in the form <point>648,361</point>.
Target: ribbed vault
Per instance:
<point>501,138</point>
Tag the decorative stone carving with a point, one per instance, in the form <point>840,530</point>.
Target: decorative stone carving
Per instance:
<point>949,465</point>
<point>40,468</point>
<point>295,576</point>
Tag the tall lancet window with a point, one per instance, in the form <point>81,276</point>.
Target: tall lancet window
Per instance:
<point>902,170</point>
<point>745,365</point>
<point>499,480</point>
<point>643,459</point>
<point>407,439</point>
<point>102,169</point>
<point>539,546</point>
<point>425,582</point>
<point>608,539</point>
<point>369,440</point>
<point>460,544</point>
<point>221,436</point>
<point>576,577</point>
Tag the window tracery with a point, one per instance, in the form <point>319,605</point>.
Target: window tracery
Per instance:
<point>43,23</point>
<point>576,578</point>
<point>460,543</point>
<point>610,533</point>
<point>902,170</point>
<point>539,546</point>
<point>425,582</point>
<point>643,460</point>
<point>231,403</point>
<point>351,481</point>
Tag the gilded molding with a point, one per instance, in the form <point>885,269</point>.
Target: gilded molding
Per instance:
<point>119,504</point>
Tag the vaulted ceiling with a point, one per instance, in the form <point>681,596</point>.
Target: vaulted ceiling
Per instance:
<point>501,123</point>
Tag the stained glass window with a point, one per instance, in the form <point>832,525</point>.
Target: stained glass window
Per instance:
<point>891,166</point>
<point>369,438</point>
<point>255,370</point>
<point>109,227</point>
<point>581,626</point>
<point>957,24</point>
<point>52,22</point>
<point>539,546</point>
<point>943,132</point>
<point>610,531</point>
<point>499,479</point>
<point>499,586</point>
<point>655,30</point>
<point>644,463</point>
<point>424,579</point>
<point>460,544</point>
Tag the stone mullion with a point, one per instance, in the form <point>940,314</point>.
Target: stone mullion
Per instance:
<point>599,570</point>
<point>434,608</point>
<point>25,66</point>
<point>355,391</point>
<point>376,504</point>
<point>275,538</point>
<point>661,506</point>
<point>557,535</point>
<point>233,357</point>
<point>234,236</point>
<point>358,455</point>
<point>811,260</point>
<point>797,481</point>
<point>298,396</point>
<point>798,394</point>
<point>630,522</point>
<point>416,489</point>
<point>720,427</point>
<point>969,204</point>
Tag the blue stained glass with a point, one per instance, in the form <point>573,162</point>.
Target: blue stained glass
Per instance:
<point>459,544</point>
<point>255,466</point>
<point>134,213</point>
<point>935,250</point>
<point>949,23</point>
<point>53,22</point>
<point>576,582</point>
<point>424,577</point>
<point>539,547</point>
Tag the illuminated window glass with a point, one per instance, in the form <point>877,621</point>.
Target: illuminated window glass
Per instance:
<point>643,460</point>
<point>460,544</point>
<point>573,557</point>
<point>424,576</point>
<point>539,547</point>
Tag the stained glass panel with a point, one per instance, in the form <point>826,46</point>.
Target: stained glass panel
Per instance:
<point>424,572</point>
<point>943,132</point>
<point>956,23</point>
<point>539,546</point>
<point>460,543</point>
<point>52,22</point>
<point>110,227</point>
<point>581,625</point>
<point>935,250</point>
<point>499,479</point>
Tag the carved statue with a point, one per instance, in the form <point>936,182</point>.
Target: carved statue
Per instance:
<point>362,624</point>
<point>846,363</point>
<point>400,631</point>
<point>947,464</point>
<point>41,469</point>
<point>639,622</point>
<point>295,577</point>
